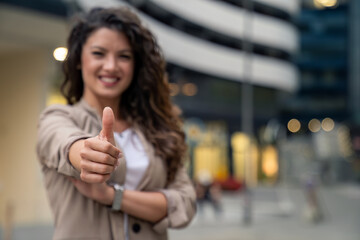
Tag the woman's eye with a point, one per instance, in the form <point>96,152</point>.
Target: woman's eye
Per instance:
<point>125,56</point>
<point>97,53</point>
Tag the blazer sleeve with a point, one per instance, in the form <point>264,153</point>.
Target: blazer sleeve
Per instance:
<point>181,199</point>
<point>57,131</point>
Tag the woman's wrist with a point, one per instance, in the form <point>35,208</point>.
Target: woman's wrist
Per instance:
<point>109,195</point>
<point>74,154</point>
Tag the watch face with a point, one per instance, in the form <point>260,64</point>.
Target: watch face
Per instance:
<point>118,187</point>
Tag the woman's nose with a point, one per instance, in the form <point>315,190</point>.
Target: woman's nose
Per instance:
<point>110,64</point>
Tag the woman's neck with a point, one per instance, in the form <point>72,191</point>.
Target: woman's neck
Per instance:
<point>100,104</point>
<point>120,123</point>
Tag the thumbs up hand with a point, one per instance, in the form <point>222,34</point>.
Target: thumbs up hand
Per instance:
<point>107,132</point>
<point>99,155</point>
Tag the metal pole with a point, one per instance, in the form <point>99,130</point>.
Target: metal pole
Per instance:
<point>247,107</point>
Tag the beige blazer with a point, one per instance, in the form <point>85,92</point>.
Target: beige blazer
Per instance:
<point>78,217</point>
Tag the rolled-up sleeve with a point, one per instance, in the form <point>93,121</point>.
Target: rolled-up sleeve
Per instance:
<point>57,131</point>
<point>181,201</point>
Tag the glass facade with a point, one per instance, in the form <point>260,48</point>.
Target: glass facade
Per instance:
<point>323,64</point>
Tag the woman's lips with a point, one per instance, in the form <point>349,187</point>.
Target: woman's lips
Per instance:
<point>109,81</point>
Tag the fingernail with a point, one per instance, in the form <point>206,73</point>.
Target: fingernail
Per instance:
<point>117,163</point>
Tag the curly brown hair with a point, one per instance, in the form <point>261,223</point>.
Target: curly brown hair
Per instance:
<point>146,103</point>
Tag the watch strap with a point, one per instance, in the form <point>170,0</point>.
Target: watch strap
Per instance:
<point>119,190</point>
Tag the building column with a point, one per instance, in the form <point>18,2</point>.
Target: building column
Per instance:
<point>354,61</point>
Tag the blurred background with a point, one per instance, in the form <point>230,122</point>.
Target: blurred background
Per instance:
<point>269,91</point>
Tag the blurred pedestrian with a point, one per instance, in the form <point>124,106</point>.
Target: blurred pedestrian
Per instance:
<point>112,158</point>
<point>208,191</point>
<point>313,209</point>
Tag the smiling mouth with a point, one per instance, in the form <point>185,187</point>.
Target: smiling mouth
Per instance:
<point>109,80</point>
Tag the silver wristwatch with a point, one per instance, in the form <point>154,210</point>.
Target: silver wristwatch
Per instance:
<point>119,190</point>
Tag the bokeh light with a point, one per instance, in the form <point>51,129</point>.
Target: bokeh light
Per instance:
<point>328,124</point>
<point>325,3</point>
<point>60,53</point>
<point>174,89</point>
<point>270,165</point>
<point>314,125</point>
<point>189,89</point>
<point>294,125</point>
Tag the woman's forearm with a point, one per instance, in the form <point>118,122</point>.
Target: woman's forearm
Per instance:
<point>149,206</point>
<point>74,154</point>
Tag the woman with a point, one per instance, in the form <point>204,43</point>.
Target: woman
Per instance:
<point>113,157</point>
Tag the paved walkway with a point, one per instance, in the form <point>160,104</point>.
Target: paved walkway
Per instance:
<point>279,214</point>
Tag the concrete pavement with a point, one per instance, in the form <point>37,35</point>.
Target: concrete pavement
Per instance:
<point>279,214</point>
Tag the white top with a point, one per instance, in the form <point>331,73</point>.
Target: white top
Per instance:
<point>137,162</point>
<point>136,158</point>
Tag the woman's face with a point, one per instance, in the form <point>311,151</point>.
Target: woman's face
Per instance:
<point>107,65</point>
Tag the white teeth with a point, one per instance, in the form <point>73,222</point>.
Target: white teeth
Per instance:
<point>109,80</point>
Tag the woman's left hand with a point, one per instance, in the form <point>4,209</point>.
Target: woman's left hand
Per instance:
<point>100,192</point>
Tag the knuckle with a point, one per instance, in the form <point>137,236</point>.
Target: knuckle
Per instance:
<point>107,147</point>
<point>112,161</point>
<point>82,164</point>
<point>102,178</point>
<point>103,169</point>
<point>82,153</point>
<point>87,142</point>
<point>106,158</point>
<point>106,169</point>
<point>99,169</point>
<point>83,176</point>
<point>106,177</point>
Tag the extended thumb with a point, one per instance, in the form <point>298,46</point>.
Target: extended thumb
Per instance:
<point>108,119</point>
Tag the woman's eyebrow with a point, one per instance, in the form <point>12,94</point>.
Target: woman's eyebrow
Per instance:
<point>104,49</point>
<point>98,47</point>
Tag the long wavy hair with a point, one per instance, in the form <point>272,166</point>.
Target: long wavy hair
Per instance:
<point>146,103</point>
